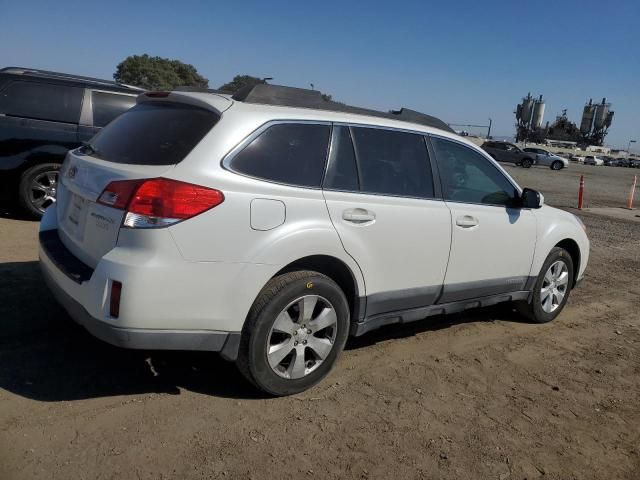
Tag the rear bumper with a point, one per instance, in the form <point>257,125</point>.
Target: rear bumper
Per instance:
<point>148,339</point>
<point>168,304</point>
<point>138,338</point>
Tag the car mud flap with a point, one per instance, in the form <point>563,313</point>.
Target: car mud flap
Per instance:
<point>231,346</point>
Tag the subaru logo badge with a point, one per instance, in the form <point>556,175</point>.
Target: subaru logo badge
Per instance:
<point>71,173</point>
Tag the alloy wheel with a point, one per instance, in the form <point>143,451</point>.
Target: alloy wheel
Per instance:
<point>42,190</point>
<point>554,286</point>
<point>302,336</point>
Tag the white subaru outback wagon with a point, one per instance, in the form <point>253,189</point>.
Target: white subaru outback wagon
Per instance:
<point>272,224</point>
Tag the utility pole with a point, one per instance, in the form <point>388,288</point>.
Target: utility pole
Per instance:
<point>489,130</point>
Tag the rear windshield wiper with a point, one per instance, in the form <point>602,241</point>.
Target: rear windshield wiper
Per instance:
<point>88,149</point>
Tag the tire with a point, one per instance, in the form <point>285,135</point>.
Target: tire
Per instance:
<point>557,165</point>
<point>260,333</point>
<point>37,188</point>
<point>536,311</point>
<point>526,163</point>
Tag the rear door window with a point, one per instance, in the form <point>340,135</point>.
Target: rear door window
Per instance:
<point>153,133</point>
<point>290,153</point>
<point>42,101</point>
<point>392,162</point>
<point>107,106</point>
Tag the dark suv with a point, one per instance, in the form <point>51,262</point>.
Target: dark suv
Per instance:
<point>42,116</point>
<point>509,153</point>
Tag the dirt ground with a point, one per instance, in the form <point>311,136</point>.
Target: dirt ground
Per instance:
<point>480,395</point>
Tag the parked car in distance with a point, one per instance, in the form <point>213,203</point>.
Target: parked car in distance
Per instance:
<point>591,160</point>
<point>576,158</point>
<point>509,153</point>
<point>42,116</point>
<point>622,162</point>
<point>547,158</point>
<point>269,232</point>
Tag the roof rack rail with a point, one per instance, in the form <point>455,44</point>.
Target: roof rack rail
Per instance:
<point>66,76</point>
<point>199,89</point>
<point>279,95</point>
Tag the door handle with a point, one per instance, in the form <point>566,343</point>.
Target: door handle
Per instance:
<point>467,221</point>
<point>358,215</point>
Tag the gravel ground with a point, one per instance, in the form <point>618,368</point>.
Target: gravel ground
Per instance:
<point>604,186</point>
<point>480,395</point>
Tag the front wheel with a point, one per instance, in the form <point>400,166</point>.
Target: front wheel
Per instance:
<point>557,165</point>
<point>552,288</point>
<point>294,333</point>
<point>526,163</point>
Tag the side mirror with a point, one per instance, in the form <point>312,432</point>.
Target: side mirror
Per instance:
<point>531,198</point>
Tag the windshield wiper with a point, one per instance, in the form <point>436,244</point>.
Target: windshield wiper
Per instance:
<point>88,149</point>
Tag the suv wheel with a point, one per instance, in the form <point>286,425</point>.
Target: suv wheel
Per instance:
<point>37,188</point>
<point>557,165</point>
<point>526,163</point>
<point>294,332</point>
<point>551,289</point>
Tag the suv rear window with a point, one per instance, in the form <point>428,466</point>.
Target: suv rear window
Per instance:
<point>42,101</point>
<point>289,153</point>
<point>154,133</point>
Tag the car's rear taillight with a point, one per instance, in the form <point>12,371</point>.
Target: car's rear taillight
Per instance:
<point>118,194</point>
<point>158,202</point>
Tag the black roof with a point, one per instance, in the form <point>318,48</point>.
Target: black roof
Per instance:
<point>267,94</point>
<point>70,78</point>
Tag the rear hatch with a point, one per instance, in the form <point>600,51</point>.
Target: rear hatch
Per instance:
<point>144,142</point>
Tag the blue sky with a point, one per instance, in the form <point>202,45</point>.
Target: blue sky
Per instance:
<point>463,61</point>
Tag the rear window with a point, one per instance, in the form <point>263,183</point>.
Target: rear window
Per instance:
<point>289,153</point>
<point>155,133</point>
<point>42,101</point>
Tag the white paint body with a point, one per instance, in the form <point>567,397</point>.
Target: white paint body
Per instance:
<point>205,273</point>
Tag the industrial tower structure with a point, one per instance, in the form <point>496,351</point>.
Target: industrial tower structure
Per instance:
<point>594,126</point>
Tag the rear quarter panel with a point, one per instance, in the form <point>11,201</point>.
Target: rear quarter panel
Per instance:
<point>225,233</point>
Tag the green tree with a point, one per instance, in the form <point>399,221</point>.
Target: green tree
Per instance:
<point>157,73</point>
<point>240,81</point>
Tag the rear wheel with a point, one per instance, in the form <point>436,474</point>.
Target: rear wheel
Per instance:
<point>557,165</point>
<point>526,163</point>
<point>37,188</point>
<point>294,333</point>
<point>552,288</point>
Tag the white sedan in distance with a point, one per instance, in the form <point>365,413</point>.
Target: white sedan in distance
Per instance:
<point>549,159</point>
